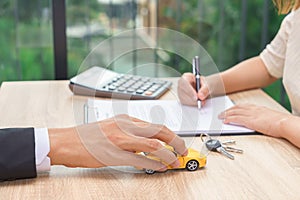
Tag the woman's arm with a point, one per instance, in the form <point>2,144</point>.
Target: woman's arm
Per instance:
<point>289,128</point>
<point>249,74</point>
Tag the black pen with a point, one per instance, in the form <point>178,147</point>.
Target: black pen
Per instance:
<point>196,71</point>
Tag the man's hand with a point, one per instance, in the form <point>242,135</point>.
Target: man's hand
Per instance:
<point>114,142</point>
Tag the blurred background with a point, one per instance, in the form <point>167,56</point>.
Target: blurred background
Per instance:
<point>45,40</point>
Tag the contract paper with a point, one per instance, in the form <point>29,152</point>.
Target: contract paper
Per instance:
<point>183,120</point>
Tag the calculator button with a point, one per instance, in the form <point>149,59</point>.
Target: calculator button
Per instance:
<point>147,85</point>
<point>156,86</point>
<point>148,93</point>
<point>144,87</point>
<point>140,82</point>
<point>140,91</point>
<point>127,76</point>
<point>121,89</point>
<point>126,85</point>
<point>130,90</point>
<point>135,86</point>
<point>158,81</point>
<point>115,79</point>
<point>120,82</point>
<point>136,78</point>
<point>152,89</point>
<point>130,82</point>
<point>143,79</point>
<point>115,85</point>
<point>111,87</point>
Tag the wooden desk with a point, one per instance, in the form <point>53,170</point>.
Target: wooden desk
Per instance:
<point>268,169</point>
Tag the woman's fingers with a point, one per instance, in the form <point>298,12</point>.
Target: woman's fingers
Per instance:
<point>186,90</point>
<point>203,93</point>
<point>250,116</point>
<point>187,93</point>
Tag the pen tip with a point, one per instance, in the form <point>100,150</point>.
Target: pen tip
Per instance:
<point>199,104</point>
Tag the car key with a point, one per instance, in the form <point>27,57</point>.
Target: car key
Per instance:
<point>233,149</point>
<point>229,148</point>
<point>228,142</point>
<point>215,145</point>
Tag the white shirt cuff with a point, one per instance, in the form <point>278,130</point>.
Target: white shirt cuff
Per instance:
<point>42,148</point>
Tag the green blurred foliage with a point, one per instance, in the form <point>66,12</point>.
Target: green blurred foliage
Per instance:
<point>26,34</point>
<point>222,40</point>
<point>38,62</point>
<point>26,41</point>
<point>7,55</point>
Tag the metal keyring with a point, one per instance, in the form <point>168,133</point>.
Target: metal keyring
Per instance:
<point>201,136</point>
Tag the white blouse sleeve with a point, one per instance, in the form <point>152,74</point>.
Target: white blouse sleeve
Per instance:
<point>274,54</point>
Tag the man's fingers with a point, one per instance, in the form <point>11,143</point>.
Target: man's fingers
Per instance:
<point>154,147</point>
<point>126,158</point>
<point>163,134</point>
<point>143,129</point>
<point>143,162</point>
<point>179,145</point>
<point>146,138</point>
<point>161,152</point>
<point>172,139</point>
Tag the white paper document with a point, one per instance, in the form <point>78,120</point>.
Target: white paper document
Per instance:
<point>183,120</point>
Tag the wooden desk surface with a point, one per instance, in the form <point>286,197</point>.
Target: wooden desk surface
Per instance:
<point>268,169</point>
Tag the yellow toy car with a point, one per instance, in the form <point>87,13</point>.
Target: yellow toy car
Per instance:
<point>193,161</point>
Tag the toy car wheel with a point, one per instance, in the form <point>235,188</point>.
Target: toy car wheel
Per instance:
<point>149,171</point>
<point>192,165</point>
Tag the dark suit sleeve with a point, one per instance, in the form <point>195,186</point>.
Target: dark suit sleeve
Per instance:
<point>17,154</point>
